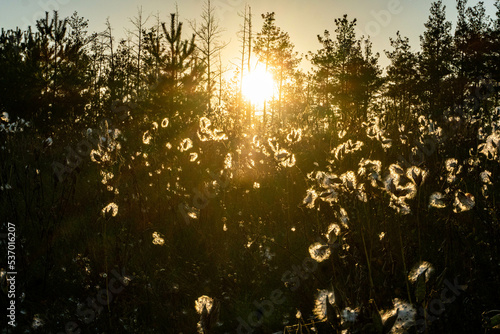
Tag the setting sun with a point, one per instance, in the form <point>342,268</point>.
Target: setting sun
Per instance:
<point>258,86</point>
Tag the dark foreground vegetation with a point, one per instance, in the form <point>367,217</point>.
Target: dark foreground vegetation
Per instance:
<point>149,196</point>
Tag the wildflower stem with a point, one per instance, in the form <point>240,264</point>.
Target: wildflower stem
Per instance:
<point>288,209</point>
<point>368,256</point>
<point>367,260</point>
<point>106,266</point>
<point>418,228</point>
<point>404,264</point>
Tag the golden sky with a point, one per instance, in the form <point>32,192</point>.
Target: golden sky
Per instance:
<point>302,19</point>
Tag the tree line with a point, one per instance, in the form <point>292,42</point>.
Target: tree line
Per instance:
<point>58,71</point>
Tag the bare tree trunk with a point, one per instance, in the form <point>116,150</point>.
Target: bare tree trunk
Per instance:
<point>108,35</point>
<point>249,36</point>
<point>138,23</point>
<point>220,80</point>
<point>279,92</point>
<point>208,33</point>
<point>249,109</point>
<point>240,97</point>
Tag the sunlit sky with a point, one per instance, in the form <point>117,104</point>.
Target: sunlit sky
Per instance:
<point>302,19</point>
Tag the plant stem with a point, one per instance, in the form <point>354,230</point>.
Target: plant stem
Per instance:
<point>404,264</point>
<point>106,266</point>
<point>367,260</point>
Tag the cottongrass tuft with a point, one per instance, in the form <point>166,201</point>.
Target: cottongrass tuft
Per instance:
<point>349,315</point>
<point>326,180</point>
<point>228,161</point>
<point>208,309</point>
<point>99,156</point>
<point>186,144</point>
<point>157,239</point>
<point>203,302</point>
<point>486,177</point>
<point>146,138</point>
<point>164,123</point>
<point>111,208</point>
<point>294,136</point>
<point>329,195</point>
<point>349,180</point>
<point>319,251</point>
<point>5,117</point>
<point>453,168</point>
<point>361,193</point>
<point>346,148</point>
<point>320,303</point>
<point>463,202</point>
<point>418,269</point>
<point>395,169</point>
<point>343,217</point>
<point>416,175</point>
<point>310,198</point>
<point>398,204</point>
<point>491,147</point>
<point>285,158</point>
<point>436,200</point>
<point>205,123</point>
<point>386,142</point>
<point>332,233</point>
<point>193,156</point>
<point>406,316</point>
<point>37,322</point>
<point>370,168</point>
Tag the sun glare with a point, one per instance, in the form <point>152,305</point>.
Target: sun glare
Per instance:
<point>258,86</point>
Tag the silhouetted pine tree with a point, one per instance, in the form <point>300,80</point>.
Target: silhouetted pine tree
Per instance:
<point>347,72</point>
<point>265,46</point>
<point>435,61</point>
<point>402,75</point>
<point>323,76</point>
